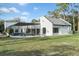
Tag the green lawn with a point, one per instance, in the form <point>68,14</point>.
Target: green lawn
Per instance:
<point>55,45</point>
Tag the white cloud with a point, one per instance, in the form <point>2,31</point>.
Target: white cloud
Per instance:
<point>24,18</point>
<point>13,9</point>
<point>4,10</point>
<point>9,10</point>
<point>22,4</point>
<point>35,8</point>
<point>25,13</point>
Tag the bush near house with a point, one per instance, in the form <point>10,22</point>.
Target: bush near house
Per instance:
<point>1,27</point>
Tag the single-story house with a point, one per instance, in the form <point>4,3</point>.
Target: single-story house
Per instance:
<point>47,26</point>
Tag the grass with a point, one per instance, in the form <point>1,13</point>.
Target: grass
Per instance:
<point>67,45</point>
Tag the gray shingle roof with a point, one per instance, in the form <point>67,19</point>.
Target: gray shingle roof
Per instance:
<point>58,21</point>
<point>24,24</point>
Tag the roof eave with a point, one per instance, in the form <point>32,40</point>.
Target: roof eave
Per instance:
<point>60,25</point>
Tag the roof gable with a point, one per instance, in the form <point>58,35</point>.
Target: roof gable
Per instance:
<point>57,21</point>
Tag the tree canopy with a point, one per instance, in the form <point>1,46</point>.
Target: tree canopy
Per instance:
<point>68,11</point>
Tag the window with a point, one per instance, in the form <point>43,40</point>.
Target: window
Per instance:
<point>16,30</point>
<point>44,30</point>
<point>55,30</point>
<point>21,30</point>
<point>38,31</point>
<point>33,31</point>
<point>27,30</point>
<point>11,31</point>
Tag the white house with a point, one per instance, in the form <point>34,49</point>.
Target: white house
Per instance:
<point>47,26</point>
<point>54,26</point>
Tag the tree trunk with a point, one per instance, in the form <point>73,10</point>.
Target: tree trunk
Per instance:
<point>78,25</point>
<point>73,25</point>
<point>64,17</point>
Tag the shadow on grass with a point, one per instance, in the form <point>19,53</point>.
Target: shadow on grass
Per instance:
<point>63,50</point>
<point>13,41</point>
<point>21,53</point>
<point>55,50</point>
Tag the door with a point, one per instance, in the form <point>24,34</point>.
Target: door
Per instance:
<point>44,30</point>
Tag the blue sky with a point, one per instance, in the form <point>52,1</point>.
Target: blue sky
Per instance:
<point>26,11</point>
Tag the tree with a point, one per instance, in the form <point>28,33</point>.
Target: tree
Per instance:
<point>74,15</point>
<point>34,20</point>
<point>1,25</point>
<point>69,8</point>
<point>74,12</point>
<point>68,11</point>
<point>63,8</point>
<point>54,13</point>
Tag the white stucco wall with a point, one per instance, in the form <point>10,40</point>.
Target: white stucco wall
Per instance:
<point>63,30</point>
<point>47,24</point>
<point>7,24</point>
